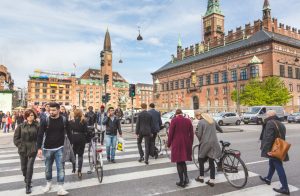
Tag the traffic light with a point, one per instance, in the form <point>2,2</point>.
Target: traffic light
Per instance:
<point>101,54</point>
<point>102,58</point>
<point>107,97</point>
<point>102,62</point>
<point>106,78</point>
<point>103,99</point>
<point>131,90</point>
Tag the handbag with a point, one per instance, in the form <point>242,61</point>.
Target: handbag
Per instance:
<point>280,147</point>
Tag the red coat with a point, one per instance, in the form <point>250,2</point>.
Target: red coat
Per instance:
<point>181,137</point>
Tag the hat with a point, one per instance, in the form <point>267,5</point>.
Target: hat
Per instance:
<point>102,107</point>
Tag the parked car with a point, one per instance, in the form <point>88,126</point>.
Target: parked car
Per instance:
<point>295,117</point>
<point>127,118</point>
<point>226,118</point>
<point>257,114</point>
<point>167,117</point>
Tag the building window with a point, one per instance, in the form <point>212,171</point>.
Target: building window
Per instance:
<point>291,87</point>
<point>225,90</point>
<point>297,73</point>
<point>216,78</point>
<point>167,86</point>
<point>216,91</point>
<point>242,88</point>
<point>67,97</point>
<point>37,96</point>
<point>225,102</point>
<point>44,90</point>
<point>60,91</point>
<point>176,84</point>
<point>208,79</point>
<point>52,91</point>
<point>254,72</point>
<point>224,76</point>
<point>171,86</point>
<point>67,86</point>
<point>67,92</point>
<point>233,75</point>
<point>282,71</point>
<point>188,83</point>
<point>181,84</point>
<point>37,84</point>
<point>290,72</point>
<point>216,102</point>
<point>200,81</point>
<point>44,84</point>
<point>208,92</point>
<point>37,90</point>
<point>60,97</point>
<point>298,88</point>
<point>244,74</point>
<point>44,96</point>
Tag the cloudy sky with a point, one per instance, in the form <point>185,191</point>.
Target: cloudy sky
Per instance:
<point>54,34</point>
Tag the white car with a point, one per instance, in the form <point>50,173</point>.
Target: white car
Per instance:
<point>226,118</point>
<point>167,117</point>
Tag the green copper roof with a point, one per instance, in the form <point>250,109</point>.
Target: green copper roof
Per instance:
<point>213,7</point>
<point>179,41</point>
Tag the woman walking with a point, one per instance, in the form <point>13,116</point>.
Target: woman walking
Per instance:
<point>63,112</point>
<point>209,148</point>
<point>8,122</point>
<point>78,128</point>
<point>274,128</point>
<point>25,138</point>
<point>180,139</point>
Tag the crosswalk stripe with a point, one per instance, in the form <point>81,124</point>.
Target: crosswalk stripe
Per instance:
<point>259,190</point>
<point>41,175</point>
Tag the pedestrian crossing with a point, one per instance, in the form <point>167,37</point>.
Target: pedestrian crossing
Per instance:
<point>157,178</point>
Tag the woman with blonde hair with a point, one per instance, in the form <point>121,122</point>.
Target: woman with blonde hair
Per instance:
<point>209,148</point>
<point>78,128</point>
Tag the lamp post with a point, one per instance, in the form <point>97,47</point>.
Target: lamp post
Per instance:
<point>237,91</point>
<point>156,83</point>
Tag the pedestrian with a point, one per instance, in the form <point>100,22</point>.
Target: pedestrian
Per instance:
<point>209,148</point>
<point>78,128</point>
<point>20,118</point>
<point>100,126</point>
<point>2,116</point>
<point>54,127</point>
<point>157,123</point>
<point>91,117</point>
<point>13,121</point>
<point>47,109</point>
<point>143,130</point>
<point>113,126</point>
<point>8,122</point>
<point>119,113</point>
<point>180,140</point>
<point>25,138</point>
<point>274,128</point>
<point>63,112</point>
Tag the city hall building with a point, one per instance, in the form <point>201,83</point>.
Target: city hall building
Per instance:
<point>204,75</point>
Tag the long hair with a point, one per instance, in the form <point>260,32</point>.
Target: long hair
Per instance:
<point>79,115</point>
<point>208,118</point>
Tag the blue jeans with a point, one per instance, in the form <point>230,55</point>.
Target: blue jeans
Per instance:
<point>50,156</point>
<point>110,142</point>
<point>275,164</point>
<point>6,128</point>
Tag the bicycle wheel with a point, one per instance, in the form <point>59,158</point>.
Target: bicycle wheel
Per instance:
<point>196,160</point>
<point>235,170</point>
<point>90,157</point>
<point>99,167</point>
<point>158,143</point>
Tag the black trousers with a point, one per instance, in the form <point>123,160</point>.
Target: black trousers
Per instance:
<point>182,171</point>
<point>147,146</point>
<point>212,168</point>
<point>78,141</point>
<point>153,149</point>
<point>27,167</point>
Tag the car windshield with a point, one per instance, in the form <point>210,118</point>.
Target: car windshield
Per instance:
<point>167,115</point>
<point>296,114</point>
<point>253,110</point>
<point>219,114</point>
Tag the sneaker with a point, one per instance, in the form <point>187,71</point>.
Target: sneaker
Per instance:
<point>198,179</point>
<point>211,184</point>
<point>61,190</point>
<point>268,182</point>
<point>48,187</point>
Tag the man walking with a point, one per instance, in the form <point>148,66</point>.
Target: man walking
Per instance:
<point>100,117</point>
<point>54,128</point>
<point>1,121</point>
<point>113,126</point>
<point>143,130</point>
<point>91,117</point>
<point>156,123</point>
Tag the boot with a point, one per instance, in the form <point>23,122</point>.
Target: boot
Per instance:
<point>28,188</point>
<point>73,170</point>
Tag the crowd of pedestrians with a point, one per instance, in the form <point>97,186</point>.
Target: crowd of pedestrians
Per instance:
<point>43,135</point>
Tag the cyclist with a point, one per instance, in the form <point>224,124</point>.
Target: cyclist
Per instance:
<point>100,118</point>
<point>208,145</point>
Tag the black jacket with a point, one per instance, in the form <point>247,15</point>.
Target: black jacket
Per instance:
<point>144,124</point>
<point>112,127</point>
<point>270,133</point>
<point>156,120</point>
<point>91,118</point>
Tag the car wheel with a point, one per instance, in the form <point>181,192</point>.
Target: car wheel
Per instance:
<point>238,122</point>
<point>246,123</point>
<point>220,123</point>
<point>289,121</point>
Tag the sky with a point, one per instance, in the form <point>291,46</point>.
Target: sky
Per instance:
<point>51,35</point>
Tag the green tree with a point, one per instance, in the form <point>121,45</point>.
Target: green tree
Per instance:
<point>271,91</point>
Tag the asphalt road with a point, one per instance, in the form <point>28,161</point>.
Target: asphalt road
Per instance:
<point>128,177</point>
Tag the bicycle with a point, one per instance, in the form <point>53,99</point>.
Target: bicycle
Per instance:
<point>230,164</point>
<point>95,155</point>
<point>161,144</point>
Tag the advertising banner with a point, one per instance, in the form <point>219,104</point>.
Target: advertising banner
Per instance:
<point>5,102</point>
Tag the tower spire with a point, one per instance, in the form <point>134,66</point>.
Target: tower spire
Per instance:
<point>266,10</point>
<point>179,41</point>
<point>266,5</point>
<point>107,42</point>
<point>213,7</point>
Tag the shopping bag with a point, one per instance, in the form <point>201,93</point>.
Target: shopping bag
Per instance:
<point>121,145</point>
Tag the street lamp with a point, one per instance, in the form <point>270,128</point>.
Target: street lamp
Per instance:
<point>237,91</point>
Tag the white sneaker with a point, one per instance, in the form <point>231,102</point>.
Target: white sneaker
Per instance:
<point>48,187</point>
<point>61,190</point>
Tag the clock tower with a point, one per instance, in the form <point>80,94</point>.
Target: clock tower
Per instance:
<point>106,66</point>
<point>213,21</point>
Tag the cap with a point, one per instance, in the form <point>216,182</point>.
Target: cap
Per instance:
<point>102,106</point>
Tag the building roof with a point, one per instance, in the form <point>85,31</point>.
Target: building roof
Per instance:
<point>266,5</point>
<point>96,74</point>
<point>107,42</point>
<point>259,37</point>
<point>213,7</point>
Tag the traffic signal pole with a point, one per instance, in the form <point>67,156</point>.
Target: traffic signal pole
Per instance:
<point>132,114</point>
<point>105,94</point>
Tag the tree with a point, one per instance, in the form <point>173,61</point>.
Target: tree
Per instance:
<point>271,91</point>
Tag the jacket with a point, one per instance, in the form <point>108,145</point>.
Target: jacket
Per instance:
<point>156,120</point>
<point>112,127</point>
<point>144,124</point>
<point>25,138</point>
<point>208,141</point>
<point>91,118</point>
<point>269,134</point>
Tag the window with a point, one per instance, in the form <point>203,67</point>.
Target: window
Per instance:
<point>176,84</point>
<point>225,102</point>
<point>37,90</point>
<point>244,74</point>
<point>216,102</point>
<point>291,87</point>
<point>225,90</point>
<point>224,76</point>
<point>290,72</point>
<point>188,83</point>
<point>282,71</point>
<point>208,79</point>
<point>67,97</point>
<point>44,84</point>
<point>60,91</point>
<point>44,96</point>
<point>37,96</point>
<point>297,70</point>
<point>216,91</point>
<point>208,92</point>
<point>67,86</point>
<point>52,91</point>
<point>242,88</point>
<point>200,81</point>
<point>181,84</point>
<point>216,78</point>
<point>37,84</point>
<point>254,72</point>
<point>233,75</point>
<point>67,92</point>
<point>44,90</point>
<point>167,86</point>
<point>298,88</point>
<point>171,85</point>
<point>60,97</point>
